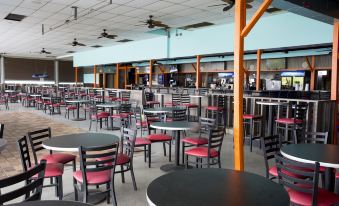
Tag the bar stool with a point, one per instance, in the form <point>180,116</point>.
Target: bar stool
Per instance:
<point>251,119</point>
<point>215,111</point>
<point>294,123</point>
<point>185,101</point>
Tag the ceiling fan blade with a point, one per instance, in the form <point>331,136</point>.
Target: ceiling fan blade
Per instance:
<point>81,44</point>
<point>48,52</point>
<point>217,5</point>
<point>249,6</point>
<point>99,37</point>
<point>111,36</point>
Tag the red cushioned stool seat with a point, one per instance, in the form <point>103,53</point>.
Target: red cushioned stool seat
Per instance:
<point>121,115</point>
<point>94,178</point>
<point>158,137</point>
<point>289,121</point>
<point>62,158</point>
<point>170,104</point>
<point>195,140</point>
<point>251,116</point>
<point>214,108</point>
<point>201,152</point>
<point>189,105</point>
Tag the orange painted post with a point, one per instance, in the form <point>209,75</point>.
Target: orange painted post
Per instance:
<point>104,80</point>
<point>257,82</point>
<point>116,77</point>
<point>334,78</point>
<point>150,73</point>
<point>76,76</point>
<point>240,20</point>
<point>95,76</point>
<point>198,73</point>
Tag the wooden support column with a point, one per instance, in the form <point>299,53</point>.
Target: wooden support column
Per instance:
<point>125,78</point>
<point>150,73</point>
<point>240,20</point>
<point>95,76</point>
<point>76,75</point>
<point>334,78</point>
<point>312,70</point>
<point>257,81</point>
<point>116,77</point>
<point>198,73</point>
<point>104,80</point>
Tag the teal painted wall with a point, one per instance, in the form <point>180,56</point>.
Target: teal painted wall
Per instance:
<point>281,30</point>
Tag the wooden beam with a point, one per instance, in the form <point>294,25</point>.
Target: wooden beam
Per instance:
<point>150,72</point>
<point>255,17</point>
<point>95,76</point>
<point>198,73</point>
<point>240,21</point>
<point>116,77</point>
<point>195,69</point>
<point>335,50</point>
<point>76,75</point>
<point>313,71</point>
<point>104,80</point>
<point>257,81</point>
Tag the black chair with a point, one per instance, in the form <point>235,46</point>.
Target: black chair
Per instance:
<point>312,137</point>
<point>34,180</point>
<point>270,146</point>
<point>53,170</point>
<point>37,137</point>
<point>211,152</point>
<point>91,173</point>
<point>176,100</point>
<point>301,182</point>
<point>178,114</point>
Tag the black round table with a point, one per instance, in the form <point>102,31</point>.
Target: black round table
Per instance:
<point>51,203</point>
<point>326,154</point>
<point>214,187</point>
<point>72,142</point>
<point>176,126</point>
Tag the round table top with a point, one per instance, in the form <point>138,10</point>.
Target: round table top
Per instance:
<point>272,103</point>
<point>9,91</point>
<point>215,187</point>
<point>3,144</point>
<point>77,101</point>
<point>35,95</point>
<point>197,96</point>
<point>72,142</point>
<point>175,125</point>
<point>158,110</point>
<point>51,203</point>
<point>108,105</point>
<point>326,154</point>
<point>161,94</point>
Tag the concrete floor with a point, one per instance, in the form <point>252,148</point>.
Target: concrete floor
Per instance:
<point>126,196</point>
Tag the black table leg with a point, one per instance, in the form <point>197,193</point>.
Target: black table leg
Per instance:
<point>270,119</point>
<point>78,113</point>
<point>329,179</point>
<point>199,112</point>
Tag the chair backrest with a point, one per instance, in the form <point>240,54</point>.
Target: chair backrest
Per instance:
<point>313,137</point>
<point>138,114</point>
<point>176,98</point>
<point>125,108</point>
<point>301,177</point>
<point>206,124</point>
<point>128,137</point>
<point>300,111</point>
<point>203,91</point>
<point>270,146</point>
<point>222,101</point>
<point>185,99</point>
<point>149,96</point>
<point>125,94</point>
<point>36,138</point>
<point>179,114</point>
<point>31,190</point>
<point>25,157</point>
<point>215,139</point>
<point>89,159</point>
<point>2,128</point>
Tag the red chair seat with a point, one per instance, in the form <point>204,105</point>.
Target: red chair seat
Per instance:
<point>195,140</point>
<point>122,159</point>
<point>123,99</point>
<point>158,137</point>
<point>100,116</point>
<point>62,158</point>
<point>142,124</point>
<point>170,104</point>
<point>169,119</point>
<point>189,105</point>
<point>94,178</point>
<point>214,108</point>
<point>47,103</point>
<point>142,141</point>
<point>71,107</point>
<point>325,198</point>
<point>53,170</point>
<point>251,116</point>
<point>289,121</point>
<point>121,115</point>
<point>153,119</point>
<point>201,152</point>
<point>152,102</point>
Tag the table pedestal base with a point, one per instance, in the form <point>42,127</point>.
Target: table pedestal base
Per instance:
<point>173,167</point>
<point>92,199</point>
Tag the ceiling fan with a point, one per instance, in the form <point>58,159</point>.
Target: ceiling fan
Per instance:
<point>230,3</point>
<point>76,43</point>
<point>151,23</point>
<point>104,34</point>
<point>43,51</point>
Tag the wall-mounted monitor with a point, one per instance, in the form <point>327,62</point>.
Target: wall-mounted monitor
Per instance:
<point>293,74</point>
<point>226,75</point>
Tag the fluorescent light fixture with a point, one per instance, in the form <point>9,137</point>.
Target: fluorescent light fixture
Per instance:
<point>322,73</point>
<point>28,82</point>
